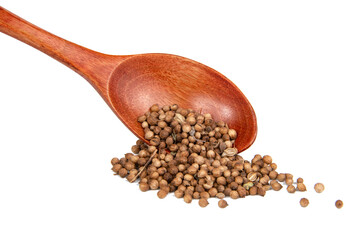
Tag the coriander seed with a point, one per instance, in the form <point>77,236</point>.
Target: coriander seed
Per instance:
<point>123,172</point>
<point>264,180</point>
<point>339,204</point>
<point>273,166</point>
<point>291,189</point>
<point>144,187</point>
<point>115,161</point>
<point>196,195</point>
<point>288,176</point>
<point>304,202</point>
<point>248,185</point>
<point>301,187</point>
<point>149,135</point>
<point>261,191</point>
<point>186,128</point>
<point>232,134</point>
<point>162,193</point>
<point>154,184</point>
<point>234,194</point>
<point>267,159</point>
<point>210,154</point>
<point>212,192</point>
<point>187,198</point>
<point>319,187</point>
<point>253,190</point>
<point>256,158</point>
<point>289,181</point>
<point>203,202</point>
<point>220,195</point>
<point>273,175</point>
<point>205,195</point>
<point>130,177</point>
<point>252,176</point>
<point>281,177</point>
<point>141,118</point>
<point>155,108</point>
<point>276,185</point>
<point>116,167</point>
<point>179,194</point>
<point>222,203</point>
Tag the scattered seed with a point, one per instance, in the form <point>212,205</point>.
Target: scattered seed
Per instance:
<point>222,203</point>
<point>301,187</point>
<point>300,180</point>
<point>339,204</point>
<point>319,187</point>
<point>304,202</point>
<point>291,189</point>
<point>203,202</point>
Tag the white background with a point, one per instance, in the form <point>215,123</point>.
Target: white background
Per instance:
<point>296,61</point>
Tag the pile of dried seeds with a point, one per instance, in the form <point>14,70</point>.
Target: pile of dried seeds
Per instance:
<point>193,156</point>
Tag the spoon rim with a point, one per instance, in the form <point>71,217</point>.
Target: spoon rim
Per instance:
<point>112,100</point>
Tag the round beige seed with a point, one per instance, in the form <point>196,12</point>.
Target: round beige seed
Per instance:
<point>339,204</point>
<point>203,202</point>
<point>304,202</point>
<point>291,189</point>
<point>319,187</point>
<point>222,203</point>
<point>162,193</point>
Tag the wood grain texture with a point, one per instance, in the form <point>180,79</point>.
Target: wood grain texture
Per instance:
<point>93,66</point>
<point>130,84</point>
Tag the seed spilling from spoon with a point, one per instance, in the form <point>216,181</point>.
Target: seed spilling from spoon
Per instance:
<point>193,156</point>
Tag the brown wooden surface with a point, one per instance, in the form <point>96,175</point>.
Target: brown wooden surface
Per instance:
<point>130,84</point>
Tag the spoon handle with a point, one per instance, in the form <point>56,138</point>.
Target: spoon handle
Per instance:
<point>93,66</point>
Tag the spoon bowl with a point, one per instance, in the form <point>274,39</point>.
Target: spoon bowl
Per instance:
<point>144,79</point>
<point>130,84</point>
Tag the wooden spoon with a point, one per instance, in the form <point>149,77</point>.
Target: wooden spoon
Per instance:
<point>131,84</point>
